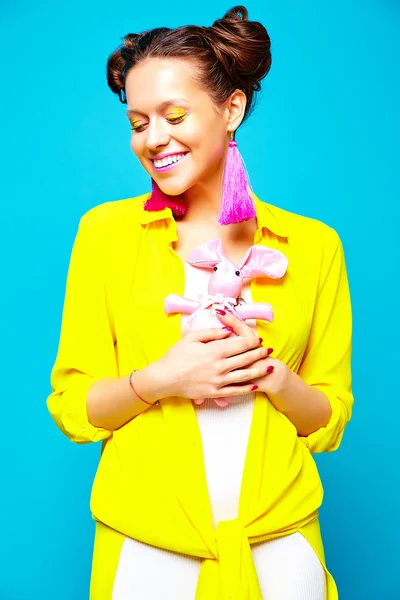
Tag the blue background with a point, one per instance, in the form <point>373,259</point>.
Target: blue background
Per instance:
<point>323,142</point>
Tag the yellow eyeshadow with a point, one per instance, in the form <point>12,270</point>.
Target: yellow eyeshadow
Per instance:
<point>176,112</point>
<point>135,124</point>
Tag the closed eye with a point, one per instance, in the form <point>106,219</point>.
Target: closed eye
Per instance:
<point>136,124</point>
<point>171,120</point>
<point>175,120</point>
<point>138,128</point>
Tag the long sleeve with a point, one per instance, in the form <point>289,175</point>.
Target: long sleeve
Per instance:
<point>86,350</point>
<point>326,363</point>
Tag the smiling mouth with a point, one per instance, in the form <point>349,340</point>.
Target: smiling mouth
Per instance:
<point>169,161</point>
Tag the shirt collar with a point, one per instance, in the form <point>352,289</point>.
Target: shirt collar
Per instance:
<point>267,217</point>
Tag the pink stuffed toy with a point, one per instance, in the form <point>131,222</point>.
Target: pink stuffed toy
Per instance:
<point>224,288</point>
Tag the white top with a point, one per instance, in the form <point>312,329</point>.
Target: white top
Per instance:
<point>224,431</point>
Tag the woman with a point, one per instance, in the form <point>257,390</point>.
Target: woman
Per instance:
<point>192,499</point>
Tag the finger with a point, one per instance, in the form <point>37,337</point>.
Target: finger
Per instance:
<point>208,335</point>
<point>244,375</point>
<point>246,358</point>
<point>239,326</point>
<point>237,345</point>
<point>234,390</point>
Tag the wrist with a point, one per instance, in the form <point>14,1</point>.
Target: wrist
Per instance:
<point>151,383</point>
<point>278,382</point>
<point>132,379</point>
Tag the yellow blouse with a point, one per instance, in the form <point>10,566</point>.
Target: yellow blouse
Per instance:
<point>151,483</point>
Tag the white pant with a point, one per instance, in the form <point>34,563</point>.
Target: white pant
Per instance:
<point>287,568</point>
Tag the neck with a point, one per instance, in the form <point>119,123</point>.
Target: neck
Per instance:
<point>202,214</point>
<point>204,199</point>
<point>203,202</point>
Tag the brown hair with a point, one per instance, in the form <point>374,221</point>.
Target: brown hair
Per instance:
<point>234,53</point>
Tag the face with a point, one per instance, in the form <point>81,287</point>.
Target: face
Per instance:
<point>178,133</point>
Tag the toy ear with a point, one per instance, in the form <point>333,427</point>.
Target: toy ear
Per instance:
<point>260,261</point>
<point>207,255</point>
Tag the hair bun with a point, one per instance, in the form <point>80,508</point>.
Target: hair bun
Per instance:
<point>242,46</point>
<point>131,39</point>
<point>234,53</point>
<point>116,65</point>
<point>237,13</point>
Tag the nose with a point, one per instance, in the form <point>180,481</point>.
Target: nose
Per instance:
<point>157,136</point>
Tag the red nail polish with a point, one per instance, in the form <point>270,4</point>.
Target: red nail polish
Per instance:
<point>269,351</point>
<point>260,340</point>
<point>254,388</point>
<point>228,328</point>
<point>220,312</point>
<point>269,369</point>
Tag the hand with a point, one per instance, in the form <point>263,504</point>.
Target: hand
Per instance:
<point>209,364</point>
<point>268,373</point>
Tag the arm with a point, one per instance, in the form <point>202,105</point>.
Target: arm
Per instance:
<point>86,351</point>
<point>305,406</point>
<point>89,400</point>
<point>318,400</point>
<point>111,402</point>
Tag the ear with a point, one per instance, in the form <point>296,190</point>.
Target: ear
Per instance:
<point>207,255</point>
<point>260,261</point>
<point>235,107</point>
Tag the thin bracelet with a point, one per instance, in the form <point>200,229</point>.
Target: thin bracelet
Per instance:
<point>140,397</point>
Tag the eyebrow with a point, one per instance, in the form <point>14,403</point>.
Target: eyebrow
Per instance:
<point>171,102</point>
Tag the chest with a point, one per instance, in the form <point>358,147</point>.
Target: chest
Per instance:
<point>235,243</point>
<point>146,332</point>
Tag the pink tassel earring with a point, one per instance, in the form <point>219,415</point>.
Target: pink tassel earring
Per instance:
<point>158,201</point>
<point>237,204</point>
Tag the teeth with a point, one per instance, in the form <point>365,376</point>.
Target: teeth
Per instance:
<point>168,160</point>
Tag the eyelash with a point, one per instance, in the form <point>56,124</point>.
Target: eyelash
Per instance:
<point>171,120</point>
